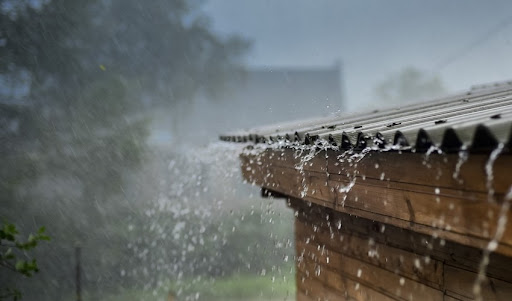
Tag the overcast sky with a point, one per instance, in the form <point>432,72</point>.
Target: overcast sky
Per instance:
<point>464,42</point>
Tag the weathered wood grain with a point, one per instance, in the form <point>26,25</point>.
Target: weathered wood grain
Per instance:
<point>406,196</point>
<point>435,170</point>
<point>459,284</point>
<point>328,285</point>
<point>390,226</point>
<point>392,259</point>
<point>327,223</point>
<point>315,289</point>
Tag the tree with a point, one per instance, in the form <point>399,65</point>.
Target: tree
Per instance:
<point>84,73</point>
<point>408,85</point>
<point>13,256</point>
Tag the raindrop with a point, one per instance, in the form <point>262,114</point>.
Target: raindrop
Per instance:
<point>417,263</point>
<point>489,171</point>
<point>318,270</point>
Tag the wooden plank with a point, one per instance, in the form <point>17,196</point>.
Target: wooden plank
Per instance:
<point>335,283</point>
<point>366,249</point>
<point>438,211</point>
<point>450,298</point>
<point>315,289</point>
<point>437,248</point>
<point>360,292</point>
<point>435,170</point>
<point>469,222</point>
<point>443,192</point>
<point>370,275</point>
<point>459,283</point>
<point>321,227</point>
<point>300,296</point>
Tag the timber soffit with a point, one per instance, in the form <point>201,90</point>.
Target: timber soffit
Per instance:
<point>478,120</point>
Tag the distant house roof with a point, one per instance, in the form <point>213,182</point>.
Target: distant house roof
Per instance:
<point>264,95</point>
<point>479,119</point>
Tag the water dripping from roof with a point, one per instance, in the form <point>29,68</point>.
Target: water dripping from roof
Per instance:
<point>463,157</point>
<point>492,245</point>
<point>489,171</point>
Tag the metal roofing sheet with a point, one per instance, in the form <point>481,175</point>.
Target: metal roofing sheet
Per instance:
<point>478,120</point>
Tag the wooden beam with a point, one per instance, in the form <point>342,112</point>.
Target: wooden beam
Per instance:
<point>363,260</point>
<point>366,249</point>
<point>320,220</point>
<point>406,190</point>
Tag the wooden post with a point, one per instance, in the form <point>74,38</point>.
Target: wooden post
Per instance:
<point>171,296</point>
<point>77,271</point>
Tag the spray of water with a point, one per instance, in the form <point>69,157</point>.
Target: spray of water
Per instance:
<point>501,223</point>
<point>492,245</point>
<point>489,171</point>
<point>463,157</point>
<point>198,221</point>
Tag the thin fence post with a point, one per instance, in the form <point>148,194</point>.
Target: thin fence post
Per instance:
<point>77,270</point>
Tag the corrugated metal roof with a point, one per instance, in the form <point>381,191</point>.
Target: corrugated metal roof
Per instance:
<point>478,120</point>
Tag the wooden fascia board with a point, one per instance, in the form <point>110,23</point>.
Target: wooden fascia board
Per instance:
<point>408,190</point>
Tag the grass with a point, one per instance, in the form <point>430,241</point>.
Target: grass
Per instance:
<point>248,287</point>
<point>234,288</point>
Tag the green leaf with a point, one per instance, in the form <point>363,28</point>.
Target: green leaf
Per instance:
<point>10,229</point>
<point>20,265</point>
<point>44,237</point>
<point>31,238</point>
<point>8,254</point>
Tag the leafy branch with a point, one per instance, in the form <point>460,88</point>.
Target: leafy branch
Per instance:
<point>13,255</point>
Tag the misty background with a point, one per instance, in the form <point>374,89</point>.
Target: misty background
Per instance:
<point>110,111</point>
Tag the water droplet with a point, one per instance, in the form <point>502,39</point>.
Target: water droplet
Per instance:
<point>417,263</point>
<point>493,245</point>
<point>318,270</point>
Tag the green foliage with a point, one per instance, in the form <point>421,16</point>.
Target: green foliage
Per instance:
<point>235,287</point>
<point>13,255</point>
<point>92,72</point>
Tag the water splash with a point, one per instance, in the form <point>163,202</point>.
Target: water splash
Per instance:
<point>346,189</point>
<point>492,245</point>
<point>463,157</point>
<point>195,207</point>
<point>489,171</point>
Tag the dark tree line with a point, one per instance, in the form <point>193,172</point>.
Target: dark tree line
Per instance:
<point>75,80</point>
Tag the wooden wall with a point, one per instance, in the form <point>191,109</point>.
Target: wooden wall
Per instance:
<point>407,190</point>
<point>345,257</point>
<point>393,226</point>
